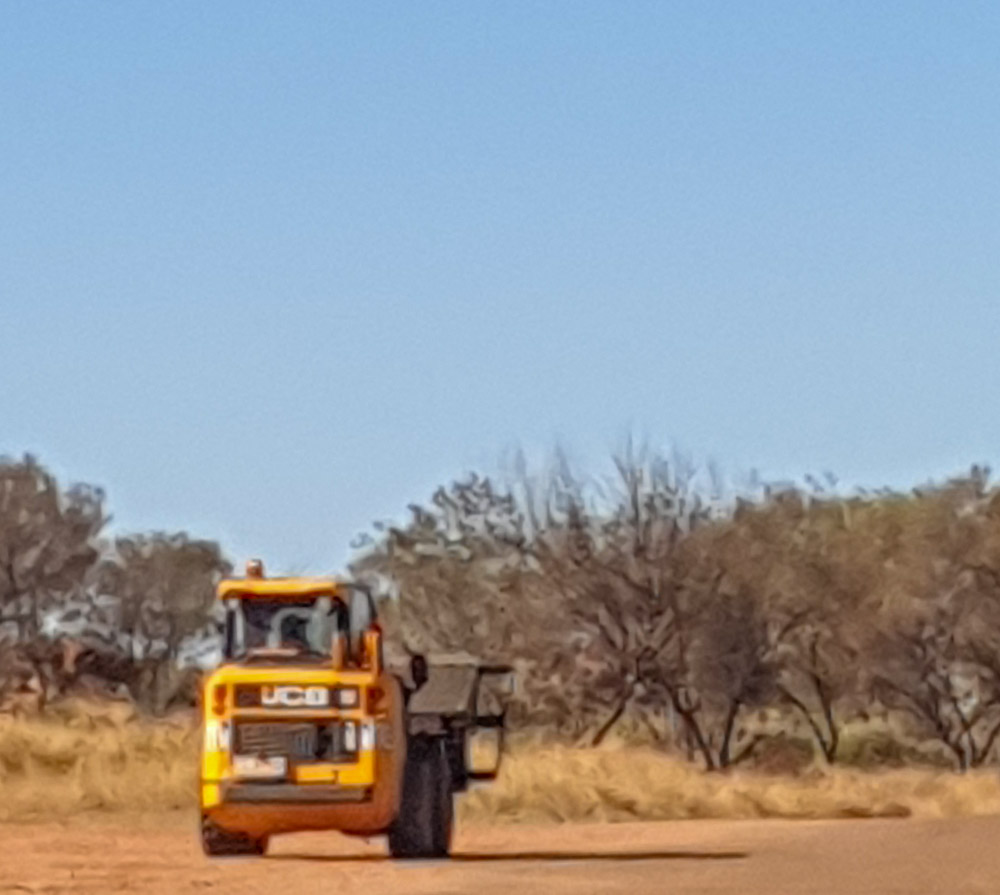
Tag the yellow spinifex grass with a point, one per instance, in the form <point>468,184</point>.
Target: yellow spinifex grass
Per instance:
<point>95,758</point>
<point>625,783</point>
<point>106,759</point>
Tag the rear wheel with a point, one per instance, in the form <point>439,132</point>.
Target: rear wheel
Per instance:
<point>217,842</point>
<point>426,813</point>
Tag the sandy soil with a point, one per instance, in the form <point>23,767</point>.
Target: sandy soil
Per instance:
<point>161,855</point>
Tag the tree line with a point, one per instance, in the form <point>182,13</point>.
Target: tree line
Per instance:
<point>104,616</point>
<point>648,599</point>
<point>718,623</point>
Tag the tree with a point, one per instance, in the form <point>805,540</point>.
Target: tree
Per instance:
<point>163,588</point>
<point>809,566</point>
<point>451,573</point>
<point>48,544</point>
<point>934,646</point>
<point>457,578</point>
<point>654,628</point>
<point>616,572</point>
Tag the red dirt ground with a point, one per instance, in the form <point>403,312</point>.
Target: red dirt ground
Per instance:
<point>873,857</point>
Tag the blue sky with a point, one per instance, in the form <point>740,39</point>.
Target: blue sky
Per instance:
<point>271,271</point>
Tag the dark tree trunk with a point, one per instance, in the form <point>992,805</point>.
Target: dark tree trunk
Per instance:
<point>612,719</point>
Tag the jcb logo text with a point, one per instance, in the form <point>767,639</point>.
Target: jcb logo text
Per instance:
<point>295,697</point>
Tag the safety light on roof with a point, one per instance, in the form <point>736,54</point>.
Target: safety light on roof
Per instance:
<point>255,569</point>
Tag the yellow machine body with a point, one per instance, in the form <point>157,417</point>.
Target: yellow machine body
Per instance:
<point>262,771</point>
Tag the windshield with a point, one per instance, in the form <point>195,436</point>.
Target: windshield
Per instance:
<point>303,627</point>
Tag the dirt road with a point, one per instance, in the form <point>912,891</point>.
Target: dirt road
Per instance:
<point>771,858</point>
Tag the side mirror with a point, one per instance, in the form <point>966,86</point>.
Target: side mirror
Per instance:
<point>361,620</point>
<point>418,671</point>
<point>504,684</point>
<point>361,609</point>
<point>499,681</point>
<point>484,752</point>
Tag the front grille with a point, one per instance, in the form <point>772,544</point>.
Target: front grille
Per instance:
<point>297,740</point>
<point>268,740</point>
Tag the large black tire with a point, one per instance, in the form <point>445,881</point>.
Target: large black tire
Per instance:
<point>217,842</point>
<point>423,826</point>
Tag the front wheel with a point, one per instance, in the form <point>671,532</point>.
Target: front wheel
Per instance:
<point>423,827</point>
<point>217,842</point>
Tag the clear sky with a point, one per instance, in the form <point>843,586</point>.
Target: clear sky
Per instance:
<point>271,271</point>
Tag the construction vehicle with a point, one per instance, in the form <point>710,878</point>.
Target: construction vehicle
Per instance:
<point>305,728</point>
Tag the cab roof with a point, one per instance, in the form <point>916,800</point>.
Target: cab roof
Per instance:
<point>279,588</point>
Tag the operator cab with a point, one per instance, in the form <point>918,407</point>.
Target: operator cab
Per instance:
<point>294,619</point>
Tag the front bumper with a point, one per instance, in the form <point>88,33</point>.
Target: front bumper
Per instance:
<point>294,794</point>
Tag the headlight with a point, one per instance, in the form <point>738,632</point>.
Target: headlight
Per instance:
<point>346,697</point>
<point>217,736</point>
<point>350,737</point>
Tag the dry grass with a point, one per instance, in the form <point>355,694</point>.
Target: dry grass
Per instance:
<point>106,759</point>
<point>90,758</point>
<point>629,783</point>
